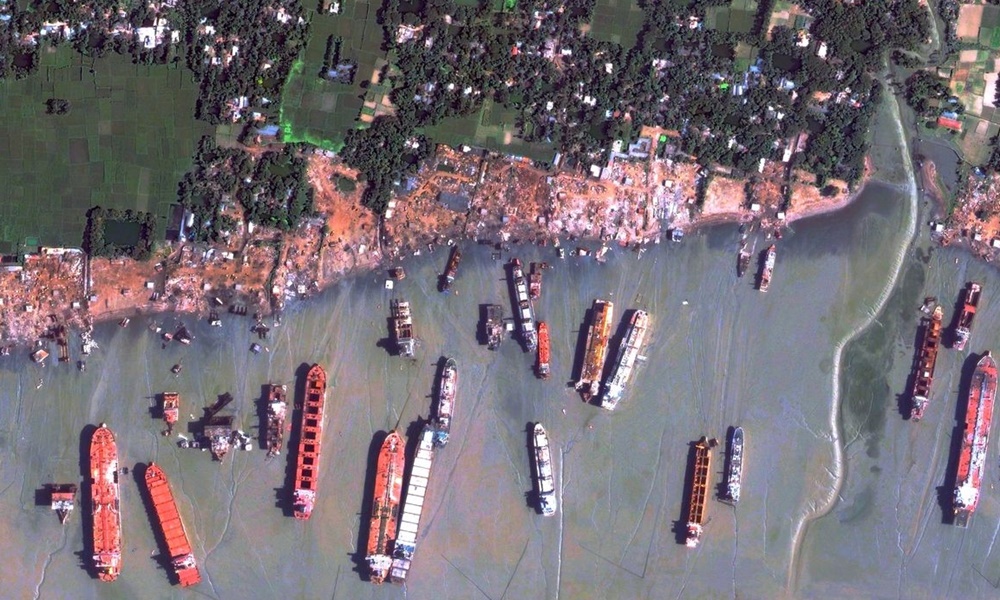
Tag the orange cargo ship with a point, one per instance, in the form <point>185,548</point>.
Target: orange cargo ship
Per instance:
<point>543,368</point>
<point>310,438</point>
<point>178,546</point>
<point>596,350</point>
<point>385,506</point>
<point>975,439</point>
<point>104,504</point>
<point>171,410</point>
<point>925,365</point>
<point>699,491</point>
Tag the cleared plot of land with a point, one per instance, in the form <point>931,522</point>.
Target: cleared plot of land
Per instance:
<point>617,21</point>
<point>319,111</point>
<point>970,17</point>
<point>125,143</point>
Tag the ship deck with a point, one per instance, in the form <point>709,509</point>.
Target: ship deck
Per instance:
<point>171,525</point>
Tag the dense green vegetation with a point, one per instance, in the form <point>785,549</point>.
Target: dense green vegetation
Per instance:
<point>108,233</point>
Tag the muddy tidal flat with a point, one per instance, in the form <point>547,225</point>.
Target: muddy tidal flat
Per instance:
<point>719,354</point>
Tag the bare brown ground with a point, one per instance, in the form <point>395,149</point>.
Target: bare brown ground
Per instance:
<point>724,197</point>
<point>970,18</point>
<point>807,201</point>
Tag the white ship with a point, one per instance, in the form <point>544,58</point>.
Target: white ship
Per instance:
<point>614,389</point>
<point>543,472</point>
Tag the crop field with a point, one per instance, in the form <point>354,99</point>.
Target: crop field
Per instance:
<point>321,112</point>
<point>125,143</point>
<point>737,17</point>
<point>617,21</point>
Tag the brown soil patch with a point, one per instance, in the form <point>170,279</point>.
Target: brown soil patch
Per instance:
<point>970,18</point>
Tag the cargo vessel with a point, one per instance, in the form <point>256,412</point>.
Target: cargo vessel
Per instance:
<point>447,388</point>
<point>494,326</point>
<point>767,268</point>
<point>734,470</point>
<point>970,302</point>
<point>543,472</point>
<point>523,310</point>
<point>310,438</point>
<point>535,281</point>
<point>178,546</point>
<point>543,369</point>
<point>62,499</point>
<point>451,270</point>
<point>385,506</point>
<point>700,481</point>
<point>975,439</point>
<point>277,410</point>
<point>409,518</point>
<point>596,349</point>
<point>105,504</point>
<point>624,363</point>
<point>743,260</point>
<point>402,328</point>
<point>171,410</point>
<point>926,359</point>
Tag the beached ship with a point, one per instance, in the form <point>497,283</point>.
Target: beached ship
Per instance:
<point>975,439</point>
<point>535,281</point>
<point>494,326</point>
<point>105,504</point>
<point>963,328</point>
<point>926,359</point>
<point>385,506</point>
<point>277,410</point>
<point>743,260</point>
<point>523,310</point>
<point>543,369</point>
<point>409,518</point>
<point>178,546</point>
<point>734,467</point>
<point>700,481</point>
<point>447,389</point>
<point>595,353</point>
<point>767,268</point>
<point>624,363</point>
<point>402,328</point>
<point>547,502</point>
<point>62,499</point>
<point>310,439</point>
<point>218,428</point>
<point>451,270</point>
<point>171,410</point>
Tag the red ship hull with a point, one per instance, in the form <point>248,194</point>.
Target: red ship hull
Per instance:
<point>105,504</point>
<point>310,439</point>
<point>972,460</point>
<point>178,547</point>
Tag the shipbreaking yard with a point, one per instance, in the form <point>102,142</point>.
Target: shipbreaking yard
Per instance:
<point>975,219</point>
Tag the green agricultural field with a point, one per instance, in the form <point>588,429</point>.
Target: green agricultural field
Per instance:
<point>737,17</point>
<point>991,16</point>
<point>617,21</point>
<point>321,112</point>
<point>125,143</point>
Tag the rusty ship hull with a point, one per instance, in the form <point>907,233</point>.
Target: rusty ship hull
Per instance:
<point>535,282</point>
<point>172,527</point>
<point>493,326</point>
<point>105,504</point>
<point>970,303</point>
<point>277,411</point>
<point>698,503</point>
<point>926,361</point>
<point>385,506</point>
<point>543,369</point>
<point>450,270</point>
<point>767,268</point>
<point>171,411</point>
<point>402,328</point>
<point>310,444</point>
<point>595,353</point>
<point>972,459</point>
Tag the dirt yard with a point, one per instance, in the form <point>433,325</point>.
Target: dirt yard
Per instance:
<point>970,18</point>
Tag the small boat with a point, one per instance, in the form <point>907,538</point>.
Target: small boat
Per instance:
<point>767,268</point>
<point>734,472</point>
<point>124,322</point>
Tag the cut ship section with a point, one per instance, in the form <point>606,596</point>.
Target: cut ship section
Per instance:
<point>310,439</point>
<point>926,360</point>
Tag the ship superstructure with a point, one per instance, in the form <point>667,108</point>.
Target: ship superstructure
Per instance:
<point>277,410</point>
<point>523,309</point>
<point>734,470</point>
<point>385,506</point>
<point>310,440</point>
<point>595,353</point>
<point>926,360</point>
<point>105,504</point>
<point>544,477</point>
<point>970,303</point>
<point>700,482</point>
<point>178,546</point>
<point>409,519</point>
<point>402,328</point>
<point>625,359</point>
<point>767,268</point>
<point>62,499</point>
<point>447,390</point>
<point>975,440</point>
